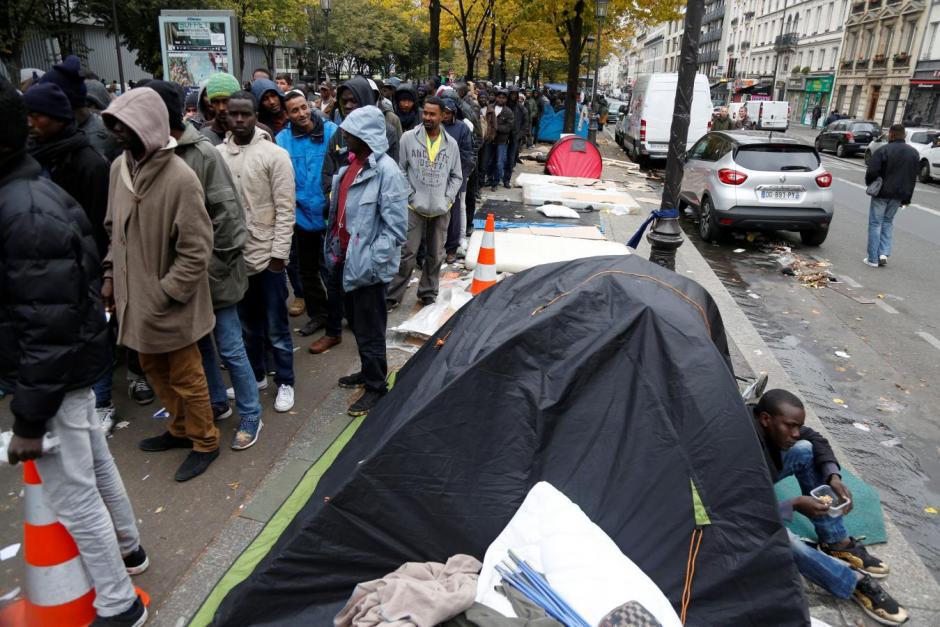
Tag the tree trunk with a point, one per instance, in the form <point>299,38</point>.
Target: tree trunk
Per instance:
<point>538,73</point>
<point>434,45</point>
<point>575,30</point>
<point>679,132</point>
<point>492,52</point>
<point>502,62</point>
<point>522,68</point>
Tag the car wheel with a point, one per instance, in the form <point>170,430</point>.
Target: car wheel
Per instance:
<point>814,238</point>
<point>819,147</point>
<point>867,157</point>
<point>924,174</point>
<point>840,150</point>
<point>707,228</point>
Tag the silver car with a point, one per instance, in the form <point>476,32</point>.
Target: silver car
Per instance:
<point>757,180</point>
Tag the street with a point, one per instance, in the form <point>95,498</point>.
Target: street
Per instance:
<point>878,402</point>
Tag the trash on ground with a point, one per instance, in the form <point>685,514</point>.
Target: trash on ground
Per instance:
<point>930,510</point>
<point>452,296</point>
<point>559,211</point>
<point>888,406</point>
<point>9,551</point>
<point>12,594</point>
<point>161,413</point>
<point>861,426</point>
<point>838,401</point>
<point>122,425</point>
<point>158,510</point>
<point>739,250</point>
<point>843,355</point>
<point>890,443</point>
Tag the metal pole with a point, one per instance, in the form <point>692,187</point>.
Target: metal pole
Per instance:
<point>117,45</point>
<point>593,119</point>
<point>326,33</point>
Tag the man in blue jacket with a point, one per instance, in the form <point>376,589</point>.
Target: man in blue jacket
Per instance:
<point>367,226</point>
<point>306,139</point>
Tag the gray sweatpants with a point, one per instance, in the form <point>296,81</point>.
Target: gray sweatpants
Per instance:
<point>81,484</point>
<point>433,232</point>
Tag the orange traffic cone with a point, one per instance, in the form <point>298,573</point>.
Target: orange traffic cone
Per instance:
<point>484,276</point>
<point>59,592</point>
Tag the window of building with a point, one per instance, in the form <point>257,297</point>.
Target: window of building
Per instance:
<point>818,20</point>
<point>907,36</point>
<point>828,23</point>
<point>822,58</point>
<point>931,39</point>
<point>833,58</point>
<point>868,43</point>
<point>886,33</point>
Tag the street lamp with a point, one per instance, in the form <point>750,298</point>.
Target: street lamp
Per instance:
<point>325,6</point>
<point>600,12</point>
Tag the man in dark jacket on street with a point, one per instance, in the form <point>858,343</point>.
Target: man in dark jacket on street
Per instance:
<point>504,121</point>
<point>842,565</point>
<point>462,132</point>
<point>516,139</point>
<point>406,102</point>
<point>896,164</point>
<point>53,346</point>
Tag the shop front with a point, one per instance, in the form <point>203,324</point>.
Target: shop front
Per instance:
<point>817,90</point>
<point>923,102</point>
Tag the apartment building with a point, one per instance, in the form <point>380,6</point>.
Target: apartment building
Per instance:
<point>876,66</point>
<point>923,102</point>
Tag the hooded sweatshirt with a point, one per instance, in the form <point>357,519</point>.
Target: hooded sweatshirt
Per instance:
<point>161,235</point>
<point>274,121</point>
<point>376,210</point>
<point>433,184</point>
<point>408,120</point>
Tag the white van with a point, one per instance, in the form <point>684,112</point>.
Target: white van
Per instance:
<point>771,115</point>
<point>644,130</point>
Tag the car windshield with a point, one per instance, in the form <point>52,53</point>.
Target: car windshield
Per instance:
<point>864,127</point>
<point>777,158</point>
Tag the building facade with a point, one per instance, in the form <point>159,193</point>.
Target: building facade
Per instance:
<point>876,65</point>
<point>923,102</point>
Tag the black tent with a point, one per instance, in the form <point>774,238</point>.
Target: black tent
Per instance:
<point>608,377</point>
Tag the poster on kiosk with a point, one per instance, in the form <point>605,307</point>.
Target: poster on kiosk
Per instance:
<point>196,44</point>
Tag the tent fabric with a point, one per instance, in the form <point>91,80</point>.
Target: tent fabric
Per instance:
<point>574,156</point>
<point>551,124</point>
<point>608,377</point>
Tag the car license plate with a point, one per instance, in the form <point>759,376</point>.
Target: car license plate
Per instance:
<point>780,195</point>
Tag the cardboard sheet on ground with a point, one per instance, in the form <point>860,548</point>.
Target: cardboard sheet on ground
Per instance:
<point>580,561</point>
<point>516,252</point>
<point>866,518</point>
<point>452,296</point>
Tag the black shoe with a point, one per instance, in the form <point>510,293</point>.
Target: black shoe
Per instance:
<point>313,325</point>
<point>355,380</point>
<point>427,300</point>
<point>493,189</point>
<point>366,403</point>
<point>164,442</point>
<point>140,391</point>
<point>137,562</point>
<point>195,464</point>
<point>858,558</point>
<point>390,304</point>
<point>506,184</point>
<point>133,617</point>
<point>221,411</point>
<point>877,603</point>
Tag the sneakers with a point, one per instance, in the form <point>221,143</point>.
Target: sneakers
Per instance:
<point>355,380</point>
<point>365,404</point>
<point>230,392</point>
<point>877,603</point>
<point>285,398</point>
<point>324,344</point>
<point>133,617</point>
<point>106,418</point>
<point>882,261</point>
<point>221,411</point>
<point>858,558</point>
<point>196,463</point>
<point>140,391</point>
<point>246,438</point>
<point>164,442</point>
<point>137,562</point>
<point>868,263</point>
<point>297,308</point>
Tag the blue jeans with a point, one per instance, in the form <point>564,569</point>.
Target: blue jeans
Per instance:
<point>834,575</point>
<point>881,214</point>
<point>231,348</point>
<point>496,163</point>
<point>263,313</point>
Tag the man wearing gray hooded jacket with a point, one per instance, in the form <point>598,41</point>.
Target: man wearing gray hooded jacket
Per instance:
<point>430,161</point>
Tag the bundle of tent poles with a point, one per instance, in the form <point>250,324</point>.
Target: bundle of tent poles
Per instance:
<point>521,576</point>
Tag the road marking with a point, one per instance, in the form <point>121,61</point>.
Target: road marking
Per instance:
<point>885,306</point>
<point>920,207</point>
<point>929,339</point>
<point>927,209</point>
<point>853,184</point>
<point>851,282</point>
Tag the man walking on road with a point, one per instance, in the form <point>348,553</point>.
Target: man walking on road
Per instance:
<point>430,161</point>
<point>228,278</point>
<point>367,225</point>
<point>157,274</point>
<point>896,164</point>
<point>265,181</point>
<point>306,139</point>
<point>54,345</point>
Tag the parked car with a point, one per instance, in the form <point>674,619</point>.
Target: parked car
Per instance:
<point>614,109</point>
<point>644,129</point>
<point>847,137</point>
<point>771,115</point>
<point>930,165</point>
<point>757,180</point>
<point>921,139</point>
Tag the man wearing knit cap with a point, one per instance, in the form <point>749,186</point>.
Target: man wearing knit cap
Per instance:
<point>218,89</point>
<point>156,272</point>
<point>68,76</point>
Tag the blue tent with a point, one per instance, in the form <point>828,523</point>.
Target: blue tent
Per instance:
<point>552,122</point>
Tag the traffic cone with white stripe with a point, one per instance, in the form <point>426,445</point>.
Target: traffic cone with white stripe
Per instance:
<point>484,276</point>
<point>59,592</point>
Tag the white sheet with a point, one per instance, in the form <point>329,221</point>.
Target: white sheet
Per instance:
<point>580,561</point>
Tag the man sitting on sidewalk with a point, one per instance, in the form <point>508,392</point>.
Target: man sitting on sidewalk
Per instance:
<point>842,565</point>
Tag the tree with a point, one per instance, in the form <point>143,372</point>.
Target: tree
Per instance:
<point>17,19</point>
<point>434,37</point>
<point>269,21</point>
<point>471,18</point>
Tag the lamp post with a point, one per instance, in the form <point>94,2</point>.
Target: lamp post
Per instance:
<point>600,12</point>
<point>325,6</point>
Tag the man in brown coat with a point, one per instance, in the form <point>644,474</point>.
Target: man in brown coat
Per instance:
<point>156,272</point>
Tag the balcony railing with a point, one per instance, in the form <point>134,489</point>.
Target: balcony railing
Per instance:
<point>902,59</point>
<point>749,15</point>
<point>786,41</point>
<point>858,7</point>
<point>879,61</point>
<point>847,65</point>
<point>745,45</point>
<point>712,35</point>
<point>874,4</point>
<point>892,1</point>
<point>713,15</point>
<point>708,57</point>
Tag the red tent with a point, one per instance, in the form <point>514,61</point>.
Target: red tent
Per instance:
<point>574,156</point>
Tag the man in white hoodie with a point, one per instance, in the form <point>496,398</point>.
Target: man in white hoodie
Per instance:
<point>265,180</point>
